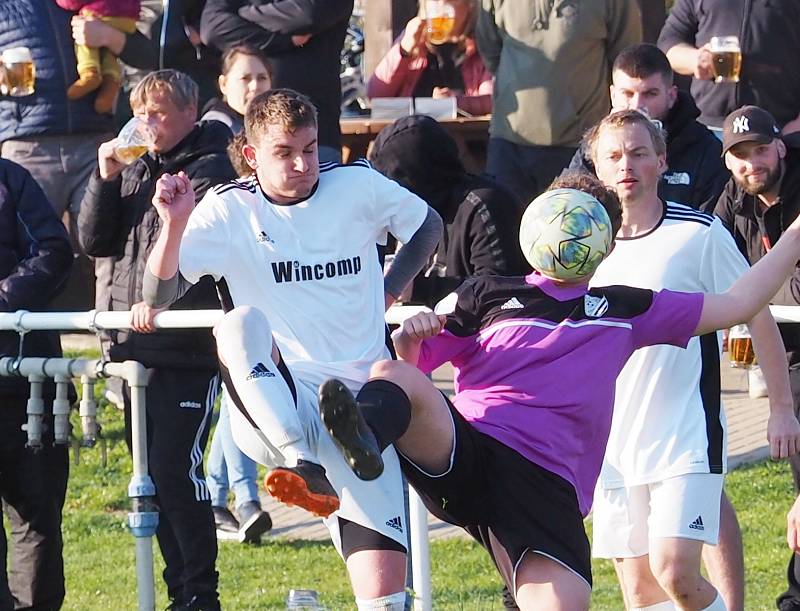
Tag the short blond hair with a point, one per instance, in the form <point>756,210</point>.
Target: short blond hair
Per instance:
<point>620,119</point>
<point>180,88</point>
<point>283,107</point>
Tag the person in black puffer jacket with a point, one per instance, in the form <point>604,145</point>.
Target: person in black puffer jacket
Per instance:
<point>118,220</point>
<point>481,217</point>
<point>642,80</point>
<point>35,259</point>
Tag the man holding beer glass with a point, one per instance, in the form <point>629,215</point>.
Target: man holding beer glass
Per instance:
<point>739,52</point>
<point>436,56</point>
<point>118,220</point>
<point>760,200</point>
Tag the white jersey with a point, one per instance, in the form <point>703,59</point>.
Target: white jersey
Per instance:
<point>312,266</point>
<point>668,416</point>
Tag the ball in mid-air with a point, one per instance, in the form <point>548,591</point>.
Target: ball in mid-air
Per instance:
<point>565,234</point>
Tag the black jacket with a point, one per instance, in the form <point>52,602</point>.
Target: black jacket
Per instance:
<point>741,214</point>
<point>44,28</point>
<point>312,69</point>
<point>35,259</point>
<point>695,173</point>
<point>770,40</point>
<point>481,218</point>
<point>117,219</point>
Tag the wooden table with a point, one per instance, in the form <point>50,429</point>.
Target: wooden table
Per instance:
<point>471,136</point>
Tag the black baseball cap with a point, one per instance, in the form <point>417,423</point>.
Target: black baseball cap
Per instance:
<point>749,124</point>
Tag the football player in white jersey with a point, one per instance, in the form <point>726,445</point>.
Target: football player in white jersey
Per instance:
<point>293,250</point>
<point>658,497</point>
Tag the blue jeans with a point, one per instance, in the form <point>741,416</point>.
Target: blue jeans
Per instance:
<point>228,468</point>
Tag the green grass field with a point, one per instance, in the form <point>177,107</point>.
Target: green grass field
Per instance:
<point>100,564</point>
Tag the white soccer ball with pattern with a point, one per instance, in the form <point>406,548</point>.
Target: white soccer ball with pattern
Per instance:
<point>565,234</point>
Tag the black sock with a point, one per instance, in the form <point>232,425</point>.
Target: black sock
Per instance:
<point>387,410</point>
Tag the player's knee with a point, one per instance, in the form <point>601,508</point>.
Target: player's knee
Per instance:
<point>399,372</point>
<point>676,578</point>
<point>393,371</point>
<point>390,602</point>
<point>238,324</point>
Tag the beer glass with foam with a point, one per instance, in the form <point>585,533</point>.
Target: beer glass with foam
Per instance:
<point>740,347</point>
<point>133,141</point>
<point>440,17</point>
<point>17,72</point>
<point>726,58</point>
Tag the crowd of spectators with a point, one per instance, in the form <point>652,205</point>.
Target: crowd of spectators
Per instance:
<point>545,72</point>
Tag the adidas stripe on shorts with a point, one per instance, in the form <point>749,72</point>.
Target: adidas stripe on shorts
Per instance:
<point>683,507</point>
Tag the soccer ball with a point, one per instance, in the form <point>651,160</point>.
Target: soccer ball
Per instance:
<point>565,234</point>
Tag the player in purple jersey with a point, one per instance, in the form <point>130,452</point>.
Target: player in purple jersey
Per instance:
<point>515,457</point>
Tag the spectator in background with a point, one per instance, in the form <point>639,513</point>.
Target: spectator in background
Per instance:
<point>55,139</point>
<point>642,80</point>
<point>162,40</point>
<point>118,219</point>
<point>303,40</point>
<point>770,44</point>
<point>245,74</point>
<point>414,67</point>
<point>760,200</point>
<point>481,217</point>
<point>35,257</point>
<point>552,65</point>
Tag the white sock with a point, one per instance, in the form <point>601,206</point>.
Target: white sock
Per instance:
<point>391,602</point>
<point>667,605</point>
<point>244,343</point>
<point>717,605</point>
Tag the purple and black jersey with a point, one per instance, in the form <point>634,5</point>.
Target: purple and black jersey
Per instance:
<point>536,363</point>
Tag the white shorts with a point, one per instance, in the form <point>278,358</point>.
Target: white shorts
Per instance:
<point>377,505</point>
<point>682,507</point>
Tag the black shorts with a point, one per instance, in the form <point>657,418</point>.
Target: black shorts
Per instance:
<point>507,503</point>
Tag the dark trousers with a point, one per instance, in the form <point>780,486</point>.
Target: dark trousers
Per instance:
<point>179,404</point>
<point>33,486</point>
<point>526,170</point>
<point>790,599</point>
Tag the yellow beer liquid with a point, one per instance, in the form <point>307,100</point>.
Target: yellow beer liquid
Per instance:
<point>740,350</point>
<point>20,78</point>
<point>129,154</point>
<point>726,65</point>
<point>439,29</point>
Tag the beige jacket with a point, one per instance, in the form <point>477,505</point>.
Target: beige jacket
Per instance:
<point>552,64</point>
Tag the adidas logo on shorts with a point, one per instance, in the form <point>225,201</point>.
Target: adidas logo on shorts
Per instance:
<point>395,523</point>
<point>697,524</point>
<point>260,371</point>
<point>512,304</point>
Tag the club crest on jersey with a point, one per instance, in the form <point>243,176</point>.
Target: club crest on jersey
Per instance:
<point>595,307</point>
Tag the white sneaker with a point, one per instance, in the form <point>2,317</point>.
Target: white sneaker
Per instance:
<point>757,386</point>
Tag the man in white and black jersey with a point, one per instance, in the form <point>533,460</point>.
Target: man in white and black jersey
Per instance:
<point>293,250</point>
<point>658,497</point>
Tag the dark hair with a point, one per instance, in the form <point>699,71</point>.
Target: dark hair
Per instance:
<point>588,183</point>
<point>229,57</point>
<point>284,107</point>
<point>643,61</point>
<point>236,156</point>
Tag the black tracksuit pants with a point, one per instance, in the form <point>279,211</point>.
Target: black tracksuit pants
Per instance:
<point>33,486</point>
<point>179,404</point>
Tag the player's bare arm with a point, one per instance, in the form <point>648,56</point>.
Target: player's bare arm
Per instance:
<point>174,202</point>
<point>754,289</point>
<point>408,338</point>
<point>783,429</point>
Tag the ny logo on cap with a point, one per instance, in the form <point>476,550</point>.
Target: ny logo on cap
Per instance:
<point>741,124</point>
